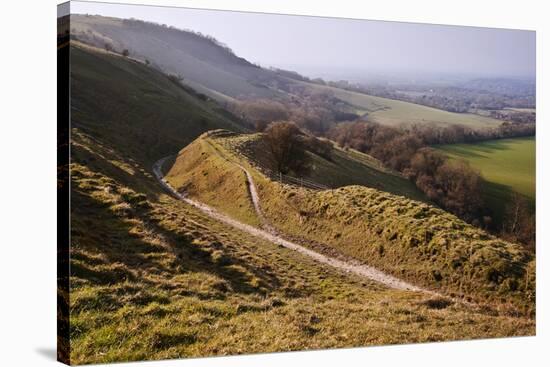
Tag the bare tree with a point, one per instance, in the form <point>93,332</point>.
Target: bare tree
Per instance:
<point>283,139</point>
<point>519,222</point>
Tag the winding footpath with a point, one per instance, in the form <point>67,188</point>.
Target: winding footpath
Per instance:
<point>269,234</point>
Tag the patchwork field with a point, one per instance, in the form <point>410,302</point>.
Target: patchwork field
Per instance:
<point>507,165</point>
<point>392,112</point>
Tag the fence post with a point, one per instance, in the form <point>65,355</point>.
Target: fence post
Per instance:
<point>280,177</point>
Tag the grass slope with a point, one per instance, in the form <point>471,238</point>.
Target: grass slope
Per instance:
<point>406,238</point>
<point>394,113</point>
<point>196,58</point>
<point>152,278</point>
<point>507,165</point>
<point>133,106</point>
<point>345,167</point>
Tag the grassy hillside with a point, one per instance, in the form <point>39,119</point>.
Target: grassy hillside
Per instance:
<point>507,165</point>
<point>343,168</point>
<point>153,278</point>
<point>204,63</point>
<point>406,238</point>
<point>130,105</point>
<point>394,113</point>
<point>213,69</point>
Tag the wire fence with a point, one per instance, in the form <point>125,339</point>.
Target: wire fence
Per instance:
<point>272,175</point>
<point>296,181</point>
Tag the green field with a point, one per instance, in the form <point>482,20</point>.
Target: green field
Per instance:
<point>394,113</point>
<point>507,165</point>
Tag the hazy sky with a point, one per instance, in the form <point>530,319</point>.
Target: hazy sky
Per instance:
<point>313,43</point>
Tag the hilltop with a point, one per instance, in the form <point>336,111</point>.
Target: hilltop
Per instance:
<point>341,167</point>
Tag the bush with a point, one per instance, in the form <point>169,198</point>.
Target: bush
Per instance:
<point>283,139</point>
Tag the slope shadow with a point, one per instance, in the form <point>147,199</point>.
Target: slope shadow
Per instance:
<point>95,227</point>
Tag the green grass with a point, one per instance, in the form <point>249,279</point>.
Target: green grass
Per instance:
<point>207,176</point>
<point>507,165</point>
<point>153,278</point>
<point>136,108</point>
<point>394,113</point>
<point>407,238</point>
<point>345,167</point>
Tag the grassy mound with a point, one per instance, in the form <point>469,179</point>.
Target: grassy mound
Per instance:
<point>152,278</point>
<point>407,238</point>
<point>201,171</point>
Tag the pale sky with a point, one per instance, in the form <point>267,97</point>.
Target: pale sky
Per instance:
<point>307,43</point>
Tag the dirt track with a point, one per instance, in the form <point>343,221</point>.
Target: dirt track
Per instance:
<point>270,235</point>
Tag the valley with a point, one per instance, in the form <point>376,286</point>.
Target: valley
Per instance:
<point>392,112</point>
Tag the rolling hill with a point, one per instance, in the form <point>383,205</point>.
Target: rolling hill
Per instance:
<point>155,278</point>
<point>408,239</point>
<point>213,69</point>
<point>205,64</point>
<point>392,112</point>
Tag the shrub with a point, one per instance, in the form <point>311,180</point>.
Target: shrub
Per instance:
<point>283,139</point>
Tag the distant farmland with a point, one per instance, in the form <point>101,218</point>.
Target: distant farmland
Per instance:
<point>507,165</point>
<point>394,113</point>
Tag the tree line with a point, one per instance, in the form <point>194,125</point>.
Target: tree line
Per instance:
<point>452,184</point>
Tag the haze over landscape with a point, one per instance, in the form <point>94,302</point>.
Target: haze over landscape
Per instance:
<point>317,46</point>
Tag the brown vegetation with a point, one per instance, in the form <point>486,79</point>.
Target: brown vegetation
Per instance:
<point>455,134</point>
<point>519,224</point>
<point>284,142</point>
<point>261,112</point>
<point>454,186</point>
<point>315,112</point>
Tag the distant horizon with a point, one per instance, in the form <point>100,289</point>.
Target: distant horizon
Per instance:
<point>403,50</point>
